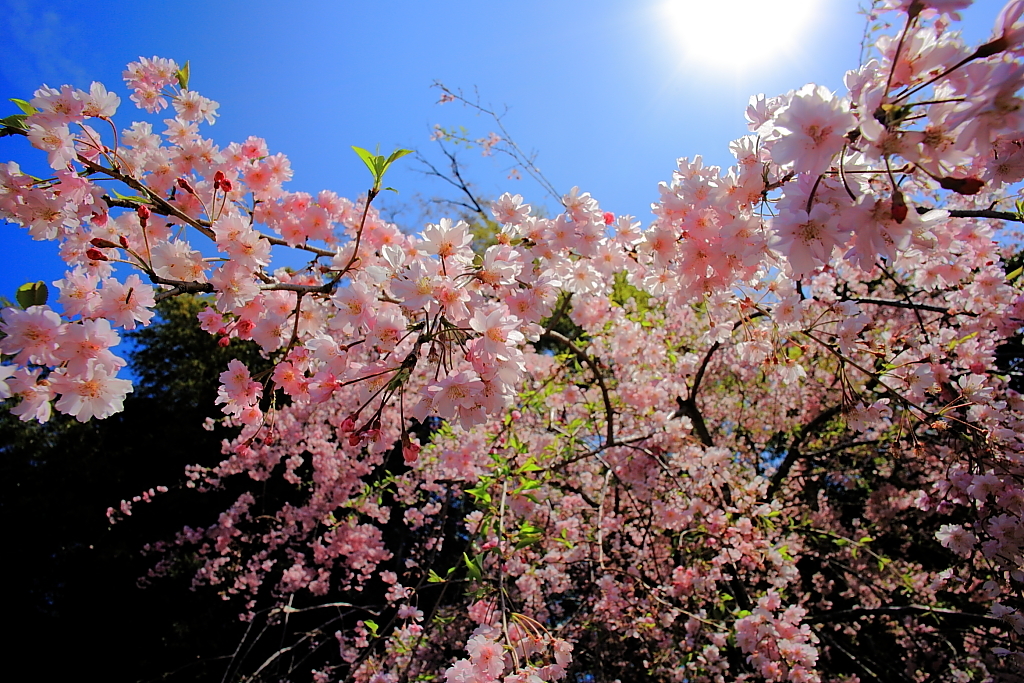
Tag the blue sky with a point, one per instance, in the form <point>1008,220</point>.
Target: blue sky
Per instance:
<point>600,90</point>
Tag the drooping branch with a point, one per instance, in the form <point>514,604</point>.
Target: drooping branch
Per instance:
<point>793,454</point>
<point>847,615</point>
<point>592,364</point>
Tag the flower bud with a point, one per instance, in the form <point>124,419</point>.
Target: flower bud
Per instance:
<point>899,207</point>
<point>95,254</point>
<point>224,342</point>
<point>962,185</point>
<point>123,240</point>
<point>410,450</point>
<point>184,184</point>
<point>102,243</point>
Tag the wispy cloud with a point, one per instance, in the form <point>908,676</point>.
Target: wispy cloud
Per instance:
<point>40,46</point>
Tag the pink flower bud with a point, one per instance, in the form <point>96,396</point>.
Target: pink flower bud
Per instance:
<point>410,450</point>
<point>224,342</point>
<point>348,424</point>
<point>609,217</point>
<point>102,243</point>
<point>184,184</point>
<point>123,240</point>
<point>95,254</point>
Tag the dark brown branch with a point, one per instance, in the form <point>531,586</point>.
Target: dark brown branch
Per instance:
<point>898,610</point>
<point>908,304</point>
<point>794,448</point>
<point>457,182</point>
<point>605,396</point>
<point>902,290</point>
<point>180,287</point>
<point>559,312</point>
<point>689,409</point>
<point>979,213</point>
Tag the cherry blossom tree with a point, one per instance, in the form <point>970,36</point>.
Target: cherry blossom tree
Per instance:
<point>780,441</point>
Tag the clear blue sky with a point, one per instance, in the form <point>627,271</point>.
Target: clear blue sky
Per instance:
<point>600,89</point>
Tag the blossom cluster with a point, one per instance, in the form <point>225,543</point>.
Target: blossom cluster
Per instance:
<point>772,390</point>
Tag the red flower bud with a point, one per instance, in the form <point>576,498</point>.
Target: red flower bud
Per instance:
<point>183,184</point>
<point>899,207</point>
<point>609,217</point>
<point>95,254</point>
<point>218,177</point>
<point>224,342</point>
<point>962,185</point>
<point>123,240</point>
<point>100,242</point>
<point>225,185</point>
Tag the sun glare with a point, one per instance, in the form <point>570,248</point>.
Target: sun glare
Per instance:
<point>738,35</point>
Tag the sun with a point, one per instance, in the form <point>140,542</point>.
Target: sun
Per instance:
<point>738,35</point>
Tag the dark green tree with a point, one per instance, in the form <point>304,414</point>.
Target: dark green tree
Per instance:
<point>76,602</point>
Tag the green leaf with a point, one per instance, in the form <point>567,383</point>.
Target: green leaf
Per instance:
<point>743,613</point>
<point>372,625</point>
<point>182,75</point>
<point>480,493</point>
<point>367,158</point>
<point>473,569</point>
<point>32,294</point>
<point>379,165</point>
<point>132,198</point>
<point>866,539</point>
<point>15,121</point>
<point>1014,274</point>
<point>398,154</point>
<point>529,466</point>
<point>25,106</point>
<point>434,577</point>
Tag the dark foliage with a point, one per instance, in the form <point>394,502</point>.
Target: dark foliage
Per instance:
<point>77,606</point>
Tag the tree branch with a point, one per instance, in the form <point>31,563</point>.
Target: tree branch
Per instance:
<point>794,448</point>
<point>978,213</point>
<point>605,396</point>
<point>897,610</point>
